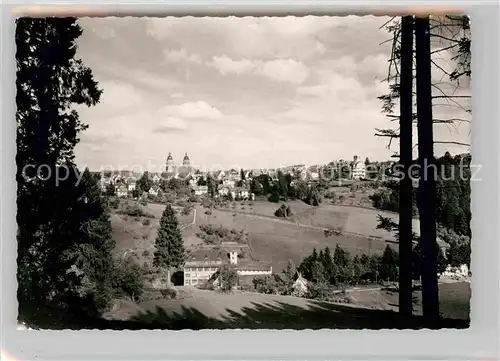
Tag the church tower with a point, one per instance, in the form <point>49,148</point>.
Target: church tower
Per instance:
<point>170,164</point>
<point>185,161</point>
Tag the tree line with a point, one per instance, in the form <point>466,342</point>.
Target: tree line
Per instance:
<point>452,192</point>
<point>285,188</point>
<point>326,270</point>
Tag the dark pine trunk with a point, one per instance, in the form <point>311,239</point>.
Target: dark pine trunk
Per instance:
<point>405,151</point>
<point>427,182</point>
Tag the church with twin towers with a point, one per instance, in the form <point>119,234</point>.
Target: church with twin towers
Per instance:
<point>178,171</point>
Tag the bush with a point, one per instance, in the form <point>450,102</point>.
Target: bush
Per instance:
<point>265,284</point>
<point>114,202</point>
<point>211,239</point>
<point>331,195</point>
<point>385,199</point>
<point>319,291</point>
<point>146,222</point>
<point>145,253</point>
<point>283,211</point>
<point>169,293</point>
<point>274,197</point>
<point>134,211</point>
<point>128,279</point>
<point>228,278</point>
<point>216,235</point>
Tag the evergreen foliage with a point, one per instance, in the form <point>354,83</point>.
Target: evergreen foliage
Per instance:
<point>169,246</point>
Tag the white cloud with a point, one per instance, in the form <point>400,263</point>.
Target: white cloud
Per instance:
<point>328,110</point>
<point>181,56</point>
<point>192,110</point>
<point>115,92</point>
<point>169,124</point>
<point>226,65</point>
<point>284,70</point>
<point>377,64</point>
<point>336,86</point>
<point>138,76</point>
<point>262,38</point>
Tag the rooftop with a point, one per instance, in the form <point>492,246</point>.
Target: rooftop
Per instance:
<point>251,265</point>
<point>220,255</point>
<point>204,255</point>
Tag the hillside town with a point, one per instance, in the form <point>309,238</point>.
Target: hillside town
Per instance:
<point>201,201</point>
<point>233,182</point>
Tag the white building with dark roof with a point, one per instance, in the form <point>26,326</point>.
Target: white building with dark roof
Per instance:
<point>203,264</point>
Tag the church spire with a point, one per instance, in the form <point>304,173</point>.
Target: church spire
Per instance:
<point>186,159</point>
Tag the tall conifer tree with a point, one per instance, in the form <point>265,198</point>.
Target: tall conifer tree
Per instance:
<point>169,245</point>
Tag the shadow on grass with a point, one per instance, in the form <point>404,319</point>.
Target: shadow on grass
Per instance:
<point>274,316</point>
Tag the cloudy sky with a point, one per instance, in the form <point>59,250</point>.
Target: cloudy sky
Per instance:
<point>246,92</point>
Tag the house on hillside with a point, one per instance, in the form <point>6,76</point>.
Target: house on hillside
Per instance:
<point>104,182</point>
<point>228,183</point>
<point>154,190</point>
<point>234,175</point>
<point>462,271</point>
<point>192,181</point>
<point>200,190</point>
<point>242,193</point>
<point>223,191</point>
<point>313,172</point>
<point>116,178</point>
<point>218,175</point>
<point>358,169</point>
<point>203,264</point>
<point>121,190</point>
<point>299,286</point>
<point>156,178</point>
<point>131,184</point>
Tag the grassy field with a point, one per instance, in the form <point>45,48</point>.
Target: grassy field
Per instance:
<point>454,300</point>
<point>266,208</point>
<point>357,220</point>
<point>351,219</point>
<point>277,241</point>
<point>198,309</point>
<point>271,239</point>
<point>136,235</point>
